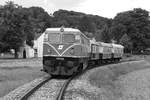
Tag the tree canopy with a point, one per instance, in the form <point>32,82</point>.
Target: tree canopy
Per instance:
<point>136,24</point>
<point>19,25</point>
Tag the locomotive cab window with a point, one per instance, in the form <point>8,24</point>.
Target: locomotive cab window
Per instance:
<point>54,37</point>
<point>70,38</point>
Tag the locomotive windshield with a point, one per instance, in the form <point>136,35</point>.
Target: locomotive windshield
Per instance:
<point>54,37</point>
<point>68,38</point>
<point>63,38</point>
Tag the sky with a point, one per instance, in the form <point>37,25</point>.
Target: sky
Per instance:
<point>104,8</point>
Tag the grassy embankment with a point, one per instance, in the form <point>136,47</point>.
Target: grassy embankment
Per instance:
<point>16,72</point>
<point>107,77</point>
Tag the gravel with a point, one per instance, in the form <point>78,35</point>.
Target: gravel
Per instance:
<point>49,91</point>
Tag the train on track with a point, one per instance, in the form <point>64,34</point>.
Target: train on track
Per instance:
<point>67,51</point>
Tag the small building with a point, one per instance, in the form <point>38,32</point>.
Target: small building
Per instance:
<point>38,45</point>
<point>27,51</point>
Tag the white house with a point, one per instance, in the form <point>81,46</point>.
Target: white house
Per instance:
<point>38,45</point>
<point>27,51</point>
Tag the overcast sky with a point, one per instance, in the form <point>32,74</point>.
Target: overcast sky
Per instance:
<point>105,8</point>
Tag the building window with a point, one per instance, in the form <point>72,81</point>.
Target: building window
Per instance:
<point>35,51</point>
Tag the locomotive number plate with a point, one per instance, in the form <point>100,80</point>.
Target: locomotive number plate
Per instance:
<point>60,58</point>
<point>60,47</point>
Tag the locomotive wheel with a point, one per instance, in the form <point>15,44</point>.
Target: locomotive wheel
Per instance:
<point>80,68</point>
<point>85,64</point>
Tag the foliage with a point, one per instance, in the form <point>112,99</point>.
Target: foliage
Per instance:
<point>19,25</point>
<point>125,40</point>
<point>39,18</point>
<point>135,23</point>
<point>12,16</point>
<point>89,24</point>
<point>86,25</point>
<point>117,31</point>
<point>105,34</point>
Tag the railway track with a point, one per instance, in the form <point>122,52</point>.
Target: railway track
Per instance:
<point>61,92</point>
<point>29,93</point>
<point>64,87</point>
<point>66,83</point>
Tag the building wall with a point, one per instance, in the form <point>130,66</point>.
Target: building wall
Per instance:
<point>38,44</point>
<point>29,51</point>
<point>36,51</point>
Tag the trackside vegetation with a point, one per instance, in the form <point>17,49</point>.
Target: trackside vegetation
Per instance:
<point>19,25</point>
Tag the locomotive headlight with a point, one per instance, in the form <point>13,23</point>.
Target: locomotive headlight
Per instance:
<point>72,52</point>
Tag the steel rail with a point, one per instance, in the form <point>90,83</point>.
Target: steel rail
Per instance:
<point>65,85</point>
<point>29,93</point>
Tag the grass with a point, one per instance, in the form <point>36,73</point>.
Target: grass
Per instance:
<point>16,72</point>
<point>107,77</point>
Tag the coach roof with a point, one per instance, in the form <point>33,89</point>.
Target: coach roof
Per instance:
<point>105,44</point>
<point>117,46</point>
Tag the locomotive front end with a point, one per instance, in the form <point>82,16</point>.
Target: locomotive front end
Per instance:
<point>62,51</point>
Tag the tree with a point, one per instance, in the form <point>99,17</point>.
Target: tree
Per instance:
<point>39,19</point>
<point>135,24</point>
<point>86,25</point>
<point>17,26</point>
<point>105,34</point>
<point>125,40</point>
<point>11,21</point>
<point>117,31</point>
<point>89,24</point>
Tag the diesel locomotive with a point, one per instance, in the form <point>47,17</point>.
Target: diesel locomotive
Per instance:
<point>67,51</point>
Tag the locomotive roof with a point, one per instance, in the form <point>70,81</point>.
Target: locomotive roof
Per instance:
<point>64,29</point>
<point>57,30</point>
<point>111,45</point>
